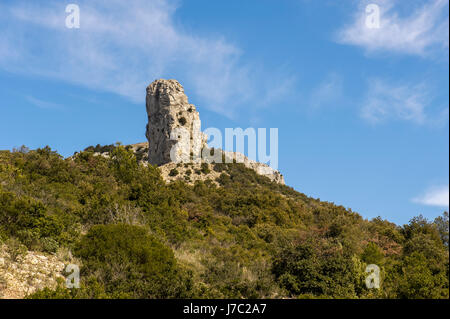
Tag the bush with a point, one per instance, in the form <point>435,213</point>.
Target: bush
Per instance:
<point>418,281</point>
<point>127,259</point>
<point>26,219</point>
<point>205,168</point>
<point>49,245</point>
<point>308,269</point>
<point>15,249</point>
<point>100,149</point>
<point>173,172</point>
<point>3,284</point>
<point>372,255</point>
<point>220,167</point>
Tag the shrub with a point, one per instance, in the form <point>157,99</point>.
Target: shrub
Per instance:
<point>128,260</point>
<point>100,149</point>
<point>418,281</point>
<point>205,168</point>
<point>173,172</point>
<point>15,249</point>
<point>372,254</point>
<point>182,121</point>
<point>308,269</point>
<point>49,245</point>
<point>27,219</point>
<point>124,164</point>
<point>219,167</point>
<point>3,284</point>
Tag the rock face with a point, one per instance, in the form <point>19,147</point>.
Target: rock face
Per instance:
<point>172,121</point>
<point>174,131</point>
<point>29,272</point>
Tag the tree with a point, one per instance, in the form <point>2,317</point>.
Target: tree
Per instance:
<point>372,254</point>
<point>441,223</point>
<point>309,269</point>
<point>419,282</point>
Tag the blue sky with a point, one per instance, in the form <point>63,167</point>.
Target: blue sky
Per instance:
<point>362,113</point>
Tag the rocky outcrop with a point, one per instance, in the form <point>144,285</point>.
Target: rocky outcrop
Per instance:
<point>189,172</point>
<point>172,121</point>
<point>28,272</point>
<point>174,131</point>
<point>199,171</point>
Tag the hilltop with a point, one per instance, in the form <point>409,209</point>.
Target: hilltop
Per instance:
<point>175,141</point>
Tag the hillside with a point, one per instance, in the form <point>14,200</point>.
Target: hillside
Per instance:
<point>239,236</point>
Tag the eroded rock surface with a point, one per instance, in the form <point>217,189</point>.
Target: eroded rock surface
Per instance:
<point>29,272</point>
<point>172,121</point>
<point>174,127</point>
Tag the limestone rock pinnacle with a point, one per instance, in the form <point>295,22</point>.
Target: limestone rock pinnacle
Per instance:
<point>174,132</point>
<point>170,113</point>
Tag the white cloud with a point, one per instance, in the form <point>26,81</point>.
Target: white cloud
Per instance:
<point>385,101</point>
<point>424,31</point>
<point>43,104</point>
<point>122,46</point>
<point>437,196</point>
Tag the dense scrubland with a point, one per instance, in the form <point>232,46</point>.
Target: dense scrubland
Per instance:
<point>137,237</point>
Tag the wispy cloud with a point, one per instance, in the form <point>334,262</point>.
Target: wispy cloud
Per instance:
<point>390,101</point>
<point>121,46</point>
<point>328,92</point>
<point>436,196</point>
<point>43,104</point>
<point>421,32</point>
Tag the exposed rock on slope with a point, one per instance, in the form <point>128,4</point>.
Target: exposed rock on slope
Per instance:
<point>174,126</point>
<point>189,172</point>
<point>29,272</point>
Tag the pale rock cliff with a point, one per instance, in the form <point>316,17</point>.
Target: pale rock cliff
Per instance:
<point>174,126</point>
<point>172,121</point>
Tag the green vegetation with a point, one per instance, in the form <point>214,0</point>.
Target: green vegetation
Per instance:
<point>15,249</point>
<point>173,172</point>
<point>126,259</point>
<point>182,121</point>
<point>100,149</point>
<point>205,168</point>
<point>138,237</point>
